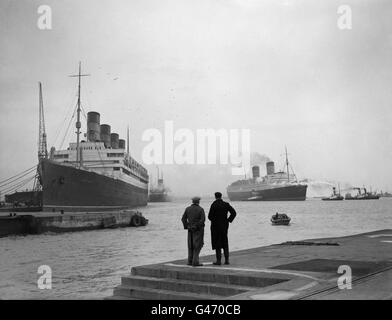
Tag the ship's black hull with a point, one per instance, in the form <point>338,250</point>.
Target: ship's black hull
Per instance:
<point>71,189</point>
<point>286,193</point>
<point>333,199</point>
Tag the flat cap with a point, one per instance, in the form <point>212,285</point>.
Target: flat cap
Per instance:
<point>196,199</point>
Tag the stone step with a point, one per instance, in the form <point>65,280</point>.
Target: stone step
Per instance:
<point>119,298</point>
<point>158,294</point>
<point>220,275</point>
<point>218,289</point>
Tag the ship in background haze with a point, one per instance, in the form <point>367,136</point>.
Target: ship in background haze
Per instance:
<point>275,186</point>
<point>384,194</point>
<point>365,195</point>
<point>159,192</point>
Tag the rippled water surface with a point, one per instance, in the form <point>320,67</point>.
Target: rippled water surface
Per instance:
<point>88,265</point>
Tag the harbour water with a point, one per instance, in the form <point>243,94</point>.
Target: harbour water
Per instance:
<point>88,265</point>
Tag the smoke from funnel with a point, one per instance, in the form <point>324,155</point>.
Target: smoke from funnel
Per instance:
<point>258,159</point>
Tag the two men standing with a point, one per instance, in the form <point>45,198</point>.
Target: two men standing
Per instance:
<point>193,220</point>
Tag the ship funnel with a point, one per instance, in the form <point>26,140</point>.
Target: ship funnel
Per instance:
<point>114,140</point>
<point>105,135</point>
<point>93,127</point>
<point>121,144</point>
<point>256,172</point>
<point>270,167</point>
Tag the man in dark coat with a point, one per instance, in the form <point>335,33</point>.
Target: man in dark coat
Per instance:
<point>219,227</point>
<point>193,220</point>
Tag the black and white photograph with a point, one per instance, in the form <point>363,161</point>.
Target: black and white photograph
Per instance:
<point>220,151</point>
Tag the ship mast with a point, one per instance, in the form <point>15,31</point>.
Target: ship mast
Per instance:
<point>287,165</point>
<point>128,140</point>
<point>78,124</point>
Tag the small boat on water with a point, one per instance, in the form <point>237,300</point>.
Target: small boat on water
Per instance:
<point>279,219</point>
<point>334,196</point>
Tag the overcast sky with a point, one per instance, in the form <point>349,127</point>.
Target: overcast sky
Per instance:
<point>279,68</point>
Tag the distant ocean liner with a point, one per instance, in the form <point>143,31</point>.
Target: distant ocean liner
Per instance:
<point>159,192</point>
<point>97,174</point>
<point>275,186</point>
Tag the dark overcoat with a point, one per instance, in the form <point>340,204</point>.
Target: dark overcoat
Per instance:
<point>193,219</point>
<point>220,223</point>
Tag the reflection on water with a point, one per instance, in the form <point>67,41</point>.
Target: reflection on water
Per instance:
<point>88,265</point>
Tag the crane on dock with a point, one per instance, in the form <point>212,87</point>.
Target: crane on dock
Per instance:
<point>28,199</point>
<point>42,145</point>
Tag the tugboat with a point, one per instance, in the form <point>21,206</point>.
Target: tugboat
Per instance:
<point>362,196</point>
<point>280,219</point>
<point>334,196</point>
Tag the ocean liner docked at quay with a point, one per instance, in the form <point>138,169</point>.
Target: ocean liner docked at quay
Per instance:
<point>275,186</point>
<point>92,175</point>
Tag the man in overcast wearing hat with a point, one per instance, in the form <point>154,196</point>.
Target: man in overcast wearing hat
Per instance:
<point>193,220</point>
<point>219,227</point>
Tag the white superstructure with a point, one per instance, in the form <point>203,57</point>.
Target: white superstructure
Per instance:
<point>95,157</point>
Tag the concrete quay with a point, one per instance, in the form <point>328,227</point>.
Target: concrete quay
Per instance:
<point>305,269</point>
<point>40,222</point>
